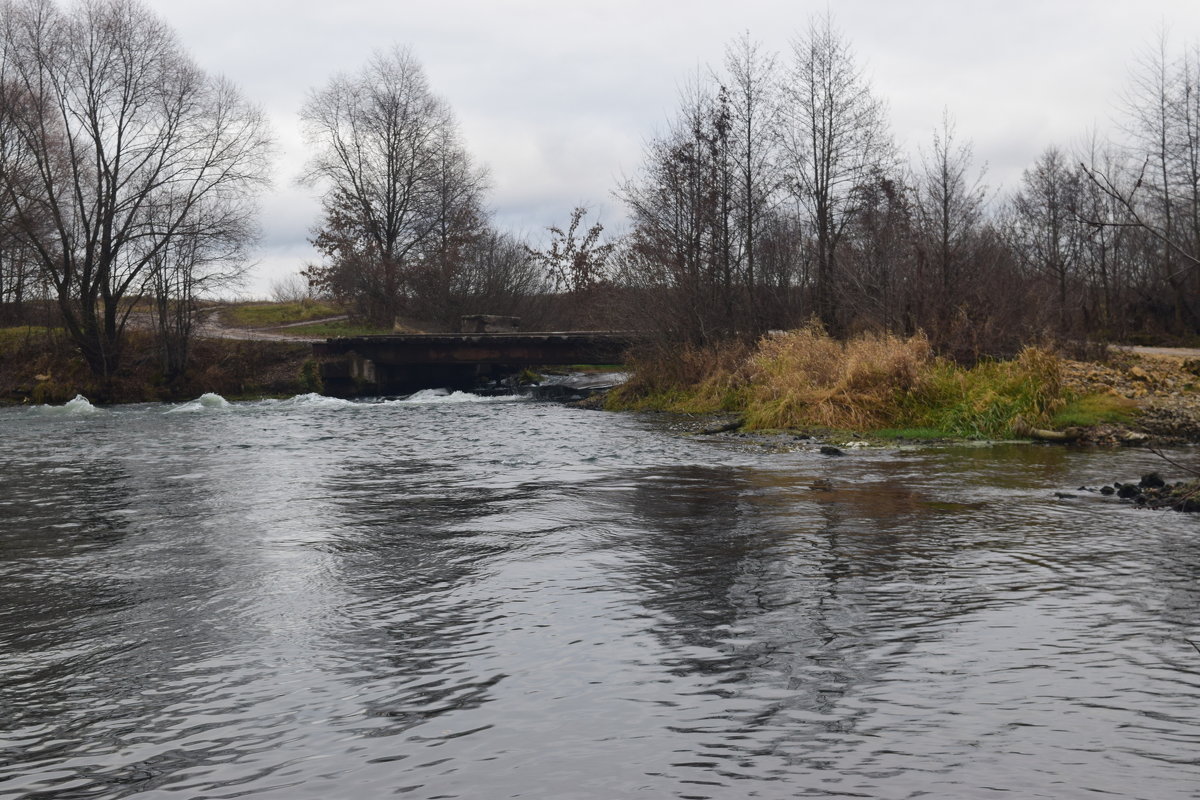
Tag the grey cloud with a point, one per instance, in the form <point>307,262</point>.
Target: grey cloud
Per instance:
<point>558,98</point>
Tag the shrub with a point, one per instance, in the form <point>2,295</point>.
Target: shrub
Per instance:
<point>310,376</point>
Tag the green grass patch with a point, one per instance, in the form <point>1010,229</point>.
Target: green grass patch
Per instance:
<point>336,328</point>
<point>987,400</point>
<point>1094,409</point>
<point>20,336</point>
<point>266,315</point>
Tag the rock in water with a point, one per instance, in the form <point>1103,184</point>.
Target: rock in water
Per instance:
<point>1152,480</point>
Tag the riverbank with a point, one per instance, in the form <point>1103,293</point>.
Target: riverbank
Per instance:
<point>1161,384</point>
<point>39,365</point>
<point>792,389</point>
<point>885,388</point>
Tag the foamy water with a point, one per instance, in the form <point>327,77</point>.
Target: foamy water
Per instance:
<point>445,396</point>
<point>208,401</point>
<point>214,402</point>
<point>80,406</point>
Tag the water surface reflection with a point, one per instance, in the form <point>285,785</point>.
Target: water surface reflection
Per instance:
<point>321,599</point>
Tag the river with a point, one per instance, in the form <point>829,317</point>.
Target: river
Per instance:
<point>451,597</point>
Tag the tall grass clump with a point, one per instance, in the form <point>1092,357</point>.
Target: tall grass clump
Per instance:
<point>989,399</point>
<point>684,378</point>
<point>873,382</point>
<point>804,378</point>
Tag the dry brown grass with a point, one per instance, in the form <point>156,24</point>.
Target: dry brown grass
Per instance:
<point>684,378</point>
<point>804,378</point>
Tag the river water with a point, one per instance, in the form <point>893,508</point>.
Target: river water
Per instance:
<point>449,597</point>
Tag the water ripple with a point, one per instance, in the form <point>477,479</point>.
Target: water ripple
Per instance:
<point>314,599</point>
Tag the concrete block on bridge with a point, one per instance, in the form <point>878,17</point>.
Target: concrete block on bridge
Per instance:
<point>489,323</point>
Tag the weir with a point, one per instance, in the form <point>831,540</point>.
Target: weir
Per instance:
<point>404,363</point>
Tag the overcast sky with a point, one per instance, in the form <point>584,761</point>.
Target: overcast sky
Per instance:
<point>558,98</point>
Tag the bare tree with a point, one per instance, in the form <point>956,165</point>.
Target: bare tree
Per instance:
<point>752,90</point>
<point>681,246</point>
<point>710,238</point>
<point>456,206</point>
<point>1111,244</point>
<point>1155,188</point>
<point>834,137</point>
<point>186,267</point>
<point>574,263</point>
<point>882,280</point>
<point>500,276</point>
<point>1150,123</point>
<point>1045,229</point>
<point>18,269</point>
<point>400,193</point>
<point>133,141</point>
<point>950,208</point>
<point>291,288</point>
<point>1185,146</point>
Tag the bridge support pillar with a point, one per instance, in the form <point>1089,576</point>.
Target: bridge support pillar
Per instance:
<point>356,376</point>
<point>403,364</point>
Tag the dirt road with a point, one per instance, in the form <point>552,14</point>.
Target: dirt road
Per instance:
<point>212,326</point>
<point>1164,352</point>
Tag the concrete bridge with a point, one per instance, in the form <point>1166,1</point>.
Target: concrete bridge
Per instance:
<point>400,364</point>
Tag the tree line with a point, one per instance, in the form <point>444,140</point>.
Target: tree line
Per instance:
<point>126,172</point>
<point>405,231</point>
<point>777,195</point>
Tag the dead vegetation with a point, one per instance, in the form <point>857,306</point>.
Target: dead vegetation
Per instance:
<point>873,382</point>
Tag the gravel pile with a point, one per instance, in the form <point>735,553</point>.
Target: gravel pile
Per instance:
<point>1165,388</point>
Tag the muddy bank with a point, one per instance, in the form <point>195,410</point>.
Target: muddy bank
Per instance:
<point>47,369</point>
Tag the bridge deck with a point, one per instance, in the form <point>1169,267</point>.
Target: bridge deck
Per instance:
<point>405,362</point>
<point>515,349</point>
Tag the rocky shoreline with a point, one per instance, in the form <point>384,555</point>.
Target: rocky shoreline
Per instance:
<point>1165,390</point>
<point>1152,491</point>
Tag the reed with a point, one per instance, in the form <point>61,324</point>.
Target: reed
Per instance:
<point>804,378</point>
<point>687,379</point>
<point>873,382</point>
<point>987,400</point>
